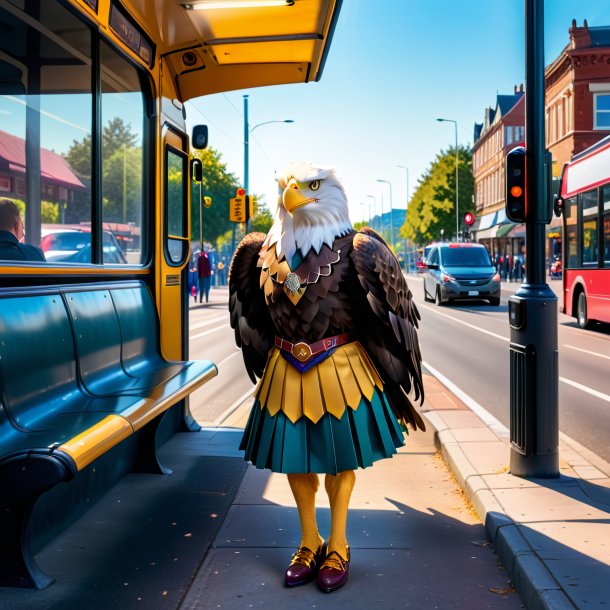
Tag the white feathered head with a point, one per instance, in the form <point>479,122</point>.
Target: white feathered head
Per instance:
<point>312,209</point>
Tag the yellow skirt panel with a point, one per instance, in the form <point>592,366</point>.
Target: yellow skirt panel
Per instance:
<point>330,386</point>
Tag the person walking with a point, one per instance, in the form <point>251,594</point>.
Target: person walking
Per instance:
<point>204,274</point>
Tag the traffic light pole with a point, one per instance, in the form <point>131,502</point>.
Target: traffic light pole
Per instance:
<point>534,429</point>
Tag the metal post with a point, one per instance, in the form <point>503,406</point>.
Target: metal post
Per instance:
<point>534,429</point>
<point>391,210</point>
<point>457,187</point>
<point>246,158</point>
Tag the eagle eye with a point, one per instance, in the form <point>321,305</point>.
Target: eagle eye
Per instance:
<point>314,185</point>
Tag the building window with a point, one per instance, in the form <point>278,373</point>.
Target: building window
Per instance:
<point>601,111</point>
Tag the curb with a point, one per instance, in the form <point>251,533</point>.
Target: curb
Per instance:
<point>536,586</point>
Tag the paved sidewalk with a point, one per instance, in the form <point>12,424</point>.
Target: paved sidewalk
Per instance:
<point>218,534</point>
<point>553,536</point>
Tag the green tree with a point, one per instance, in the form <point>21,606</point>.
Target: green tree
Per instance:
<point>121,173</point>
<point>432,206</point>
<point>218,184</point>
<point>262,218</point>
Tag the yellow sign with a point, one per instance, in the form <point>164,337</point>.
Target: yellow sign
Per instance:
<point>237,209</point>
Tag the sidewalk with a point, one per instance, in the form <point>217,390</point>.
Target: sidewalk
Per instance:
<point>219,534</point>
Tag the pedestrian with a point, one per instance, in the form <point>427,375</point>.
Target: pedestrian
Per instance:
<point>204,275</point>
<point>221,273</point>
<point>517,268</point>
<point>192,278</point>
<point>12,234</point>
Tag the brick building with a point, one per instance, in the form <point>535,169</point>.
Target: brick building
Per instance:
<point>577,116</point>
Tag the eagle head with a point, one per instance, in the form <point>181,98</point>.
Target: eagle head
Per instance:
<point>312,209</point>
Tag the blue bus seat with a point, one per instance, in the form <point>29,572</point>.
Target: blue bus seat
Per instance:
<point>80,372</point>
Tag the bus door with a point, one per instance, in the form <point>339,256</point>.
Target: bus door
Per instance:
<point>174,249</point>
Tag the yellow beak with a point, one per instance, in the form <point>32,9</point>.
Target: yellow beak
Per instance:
<point>293,198</point>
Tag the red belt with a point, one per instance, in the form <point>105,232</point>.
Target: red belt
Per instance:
<point>304,351</point>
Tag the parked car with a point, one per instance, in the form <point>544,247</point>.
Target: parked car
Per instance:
<point>73,245</point>
<point>421,263</point>
<point>460,270</point>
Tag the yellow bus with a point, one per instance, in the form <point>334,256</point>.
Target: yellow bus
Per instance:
<point>95,231</point>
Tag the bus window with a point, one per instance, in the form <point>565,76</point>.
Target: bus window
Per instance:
<point>46,111</point>
<point>176,193</point>
<point>571,218</point>
<point>589,228</point>
<point>123,125</point>
<point>606,223</point>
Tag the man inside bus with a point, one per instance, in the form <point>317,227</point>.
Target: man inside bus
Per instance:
<point>11,236</point>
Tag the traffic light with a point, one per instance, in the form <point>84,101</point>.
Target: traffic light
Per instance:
<point>237,206</point>
<point>516,200</point>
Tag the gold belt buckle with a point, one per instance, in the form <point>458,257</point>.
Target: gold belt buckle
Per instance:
<point>301,351</point>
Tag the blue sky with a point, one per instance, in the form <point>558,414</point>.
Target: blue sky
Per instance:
<point>393,68</point>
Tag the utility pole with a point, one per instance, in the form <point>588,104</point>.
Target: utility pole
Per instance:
<point>534,429</point>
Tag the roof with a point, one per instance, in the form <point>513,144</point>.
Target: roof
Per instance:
<point>600,36</point>
<point>53,168</point>
<point>506,102</point>
<point>210,51</point>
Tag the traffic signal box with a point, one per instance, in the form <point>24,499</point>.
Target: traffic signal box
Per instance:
<point>516,200</point>
<point>238,208</point>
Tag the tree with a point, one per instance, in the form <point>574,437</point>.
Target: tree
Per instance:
<point>218,184</point>
<point>262,218</point>
<point>121,174</point>
<point>432,206</point>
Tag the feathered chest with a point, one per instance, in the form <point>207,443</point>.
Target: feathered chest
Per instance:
<point>311,300</point>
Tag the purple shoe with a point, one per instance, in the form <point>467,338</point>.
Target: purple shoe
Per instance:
<point>304,565</point>
<point>333,572</point>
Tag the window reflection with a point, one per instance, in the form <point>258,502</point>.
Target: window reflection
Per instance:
<point>122,158</point>
<point>45,133</point>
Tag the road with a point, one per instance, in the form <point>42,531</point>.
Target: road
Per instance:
<point>467,343</point>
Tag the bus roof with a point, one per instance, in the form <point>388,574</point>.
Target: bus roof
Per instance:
<point>587,170</point>
<point>223,49</point>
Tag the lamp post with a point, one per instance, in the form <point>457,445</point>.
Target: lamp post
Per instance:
<point>391,211</point>
<point>457,196</point>
<point>247,131</point>
<point>407,256</point>
<point>374,208</point>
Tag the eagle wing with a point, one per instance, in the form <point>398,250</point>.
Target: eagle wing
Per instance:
<point>391,340</point>
<point>249,314</point>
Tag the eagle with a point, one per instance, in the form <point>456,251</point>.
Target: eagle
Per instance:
<point>328,331</point>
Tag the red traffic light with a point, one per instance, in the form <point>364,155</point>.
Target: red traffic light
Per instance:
<point>516,191</point>
<point>469,218</point>
<point>241,192</point>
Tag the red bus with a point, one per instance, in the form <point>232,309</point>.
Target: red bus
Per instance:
<point>585,192</point>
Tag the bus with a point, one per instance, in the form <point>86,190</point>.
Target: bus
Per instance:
<point>584,196</point>
<point>95,177</point>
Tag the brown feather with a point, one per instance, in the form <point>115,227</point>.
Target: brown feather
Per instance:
<point>391,339</point>
<point>249,314</point>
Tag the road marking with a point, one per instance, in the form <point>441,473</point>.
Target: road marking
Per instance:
<point>495,424</point>
<point>584,388</point>
<point>481,330</point>
<point>208,322</point>
<point>574,384</point>
<point>237,351</point>
<point>586,351</point>
<point>209,332</point>
<point>225,414</point>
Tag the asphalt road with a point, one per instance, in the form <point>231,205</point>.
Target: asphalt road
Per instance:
<point>467,343</point>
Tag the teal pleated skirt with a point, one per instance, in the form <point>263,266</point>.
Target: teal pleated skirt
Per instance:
<point>356,440</point>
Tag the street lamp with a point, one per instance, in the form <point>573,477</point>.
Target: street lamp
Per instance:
<point>374,207</point>
<point>247,131</point>
<point>457,197</point>
<point>391,212</point>
<point>407,256</point>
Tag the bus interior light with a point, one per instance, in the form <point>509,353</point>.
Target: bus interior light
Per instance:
<point>224,4</point>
